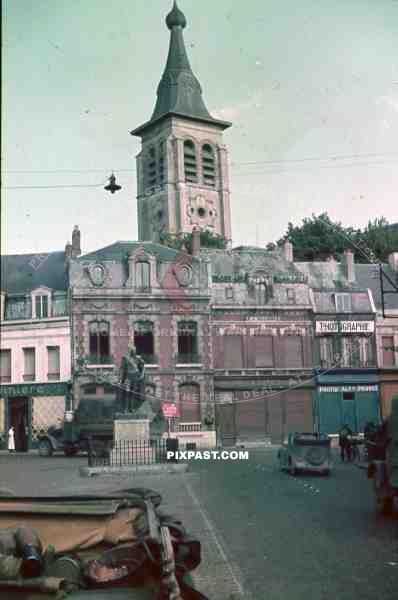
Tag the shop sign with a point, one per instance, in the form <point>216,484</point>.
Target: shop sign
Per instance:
<point>33,389</point>
<point>348,388</point>
<point>322,327</point>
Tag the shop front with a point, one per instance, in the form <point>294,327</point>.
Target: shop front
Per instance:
<point>30,409</point>
<point>347,398</point>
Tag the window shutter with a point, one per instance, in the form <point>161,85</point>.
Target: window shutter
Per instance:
<point>5,365</point>
<point>53,360</point>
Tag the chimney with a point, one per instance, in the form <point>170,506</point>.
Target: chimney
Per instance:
<point>349,265</point>
<point>76,249</point>
<point>68,250</point>
<point>393,261</point>
<point>288,251</point>
<point>195,241</point>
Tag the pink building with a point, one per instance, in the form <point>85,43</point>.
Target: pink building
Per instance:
<point>35,361</point>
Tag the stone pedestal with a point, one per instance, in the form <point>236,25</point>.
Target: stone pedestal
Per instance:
<point>130,430</point>
<point>131,442</point>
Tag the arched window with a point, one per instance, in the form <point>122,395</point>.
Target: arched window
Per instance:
<point>190,166</point>
<point>142,275</point>
<point>151,167</point>
<point>208,165</point>
<point>161,162</point>
<point>99,340</point>
<point>189,403</point>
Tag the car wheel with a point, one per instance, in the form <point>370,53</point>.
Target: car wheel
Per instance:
<point>45,448</point>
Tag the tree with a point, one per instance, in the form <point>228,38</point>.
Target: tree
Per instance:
<point>318,237</point>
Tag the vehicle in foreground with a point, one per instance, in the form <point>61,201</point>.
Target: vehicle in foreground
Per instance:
<point>306,452</point>
<point>383,464</point>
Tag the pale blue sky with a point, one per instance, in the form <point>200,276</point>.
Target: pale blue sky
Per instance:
<point>299,79</point>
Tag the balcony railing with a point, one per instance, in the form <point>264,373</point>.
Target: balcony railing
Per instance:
<point>187,358</point>
<point>188,427</point>
<point>95,359</point>
<point>53,376</point>
<point>149,359</point>
<point>30,377</point>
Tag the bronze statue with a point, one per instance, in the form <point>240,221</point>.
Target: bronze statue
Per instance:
<point>132,388</point>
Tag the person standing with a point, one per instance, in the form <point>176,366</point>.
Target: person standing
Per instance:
<point>11,440</point>
<point>345,442</point>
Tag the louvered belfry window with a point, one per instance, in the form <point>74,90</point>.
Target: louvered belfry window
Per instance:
<point>208,165</point>
<point>190,163</point>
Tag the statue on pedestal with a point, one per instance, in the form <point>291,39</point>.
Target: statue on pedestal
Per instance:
<point>132,390</point>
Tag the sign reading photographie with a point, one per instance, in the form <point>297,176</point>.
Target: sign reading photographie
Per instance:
<point>322,327</point>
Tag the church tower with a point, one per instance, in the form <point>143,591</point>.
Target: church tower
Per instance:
<point>182,168</point>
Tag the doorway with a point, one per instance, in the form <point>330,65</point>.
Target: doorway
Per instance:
<point>18,418</point>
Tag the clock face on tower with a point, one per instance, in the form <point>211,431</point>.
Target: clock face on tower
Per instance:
<point>201,211</point>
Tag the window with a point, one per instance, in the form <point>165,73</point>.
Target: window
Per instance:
<point>99,341</point>
<point>233,352</point>
<point>5,366</point>
<point>142,275</point>
<point>263,351</point>
<point>29,364</point>
<point>326,351</point>
<point>187,342</point>
<point>161,162</point>
<point>229,293</point>
<point>143,339</point>
<point>387,346</point>
<point>190,166</point>
<point>18,308</point>
<point>343,303</point>
<point>208,166</point>
<point>41,305</point>
<point>366,352</point>
<point>291,296</point>
<point>151,168</point>
<point>292,351</point>
<point>53,373</point>
<point>351,352</point>
<point>348,396</point>
<point>261,293</point>
<point>189,401</point>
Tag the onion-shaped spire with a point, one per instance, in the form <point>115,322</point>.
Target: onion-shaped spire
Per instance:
<point>176,18</point>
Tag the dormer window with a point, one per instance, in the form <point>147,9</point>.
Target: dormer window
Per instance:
<point>41,304</point>
<point>190,164</point>
<point>142,275</point>
<point>343,303</point>
<point>208,166</point>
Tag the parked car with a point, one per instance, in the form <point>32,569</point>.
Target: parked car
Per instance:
<point>306,452</point>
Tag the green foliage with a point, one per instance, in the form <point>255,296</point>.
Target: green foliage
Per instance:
<point>207,240</point>
<point>318,237</point>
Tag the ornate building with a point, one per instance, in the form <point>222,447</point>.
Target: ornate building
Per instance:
<point>182,169</point>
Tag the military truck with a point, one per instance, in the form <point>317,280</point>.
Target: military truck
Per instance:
<point>90,424</point>
<point>383,465</point>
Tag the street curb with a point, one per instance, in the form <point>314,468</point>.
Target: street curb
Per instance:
<point>141,469</point>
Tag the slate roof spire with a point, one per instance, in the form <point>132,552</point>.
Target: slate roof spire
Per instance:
<point>179,91</point>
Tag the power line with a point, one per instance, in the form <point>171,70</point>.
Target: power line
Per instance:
<point>233,164</point>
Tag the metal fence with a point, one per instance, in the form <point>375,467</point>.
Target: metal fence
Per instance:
<point>133,452</point>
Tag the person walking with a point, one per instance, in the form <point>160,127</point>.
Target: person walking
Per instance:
<point>11,440</point>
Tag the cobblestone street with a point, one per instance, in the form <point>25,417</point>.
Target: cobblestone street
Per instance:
<point>265,534</point>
